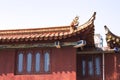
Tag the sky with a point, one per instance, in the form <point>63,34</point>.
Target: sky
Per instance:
<point>21,14</point>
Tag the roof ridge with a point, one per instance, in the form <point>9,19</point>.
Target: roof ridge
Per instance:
<point>36,30</point>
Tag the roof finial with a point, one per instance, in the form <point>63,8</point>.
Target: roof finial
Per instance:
<point>106,29</point>
<point>93,17</point>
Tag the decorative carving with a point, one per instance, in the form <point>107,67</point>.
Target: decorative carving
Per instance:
<point>117,40</point>
<point>74,24</point>
<point>112,39</point>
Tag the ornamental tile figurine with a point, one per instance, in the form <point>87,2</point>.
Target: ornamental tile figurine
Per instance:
<point>74,24</point>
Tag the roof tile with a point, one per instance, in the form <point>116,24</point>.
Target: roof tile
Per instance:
<point>112,39</point>
<point>51,33</point>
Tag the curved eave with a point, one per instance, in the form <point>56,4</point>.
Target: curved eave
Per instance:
<point>112,39</point>
<point>41,34</point>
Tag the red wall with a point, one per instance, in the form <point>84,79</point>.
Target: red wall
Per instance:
<point>63,66</point>
<point>7,62</point>
<point>112,70</point>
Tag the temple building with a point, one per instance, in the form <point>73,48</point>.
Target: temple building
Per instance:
<point>53,53</point>
<point>112,58</point>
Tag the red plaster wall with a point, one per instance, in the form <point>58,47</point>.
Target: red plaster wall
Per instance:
<point>63,66</point>
<point>7,62</point>
<point>111,66</point>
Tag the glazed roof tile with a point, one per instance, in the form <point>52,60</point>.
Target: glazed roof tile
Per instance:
<point>112,39</point>
<point>51,33</point>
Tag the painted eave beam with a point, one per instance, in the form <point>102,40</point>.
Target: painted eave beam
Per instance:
<point>33,45</point>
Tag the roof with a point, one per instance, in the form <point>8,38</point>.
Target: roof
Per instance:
<point>43,34</point>
<point>112,39</point>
